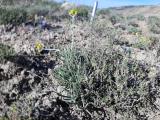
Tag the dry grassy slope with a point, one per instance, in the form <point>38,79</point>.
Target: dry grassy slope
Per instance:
<point>142,25</point>
<point>145,10</point>
<point>63,33</point>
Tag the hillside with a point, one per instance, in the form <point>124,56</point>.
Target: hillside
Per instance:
<point>132,10</point>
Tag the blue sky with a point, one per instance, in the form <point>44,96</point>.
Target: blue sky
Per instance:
<point>114,3</point>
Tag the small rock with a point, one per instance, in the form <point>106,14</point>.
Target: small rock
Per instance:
<point>46,102</point>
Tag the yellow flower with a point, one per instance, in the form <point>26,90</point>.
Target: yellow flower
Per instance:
<point>73,12</point>
<point>38,46</point>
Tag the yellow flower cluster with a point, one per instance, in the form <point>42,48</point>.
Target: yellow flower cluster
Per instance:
<point>73,12</point>
<point>38,46</point>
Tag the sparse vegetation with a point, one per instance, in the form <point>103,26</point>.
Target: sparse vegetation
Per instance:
<point>77,71</point>
<point>132,23</point>
<point>83,12</point>
<point>134,30</point>
<point>154,23</point>
<point>104,12</point>
<point>5,52</point>
<point>116,19</point>
<point>14,16</point>
<point>139,17</point>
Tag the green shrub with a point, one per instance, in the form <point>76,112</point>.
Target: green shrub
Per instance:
<point>6,2</point>
<point>141,17</point>
<point>36,10</point>
<point>71,73</point>
<point>13,16</point>
<point>83,12</point>
<point>154,24</point>
<point>97,78</point>
<point>47,3</point>
<point>5,52</point>
<point>154,20</point>
<point>42,9</point>
<point>134,30</point>
<point>17,2</point>
<point>155,29</point>
<point>104,12</point>
<point>130,17</point>
<point>4,118</point>
<point>133,24</point>
<point>154,42</point>
<point>116,19</point>
<point>16,14</point>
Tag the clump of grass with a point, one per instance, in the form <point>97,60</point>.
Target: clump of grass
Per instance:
<point>3,118</point>
<point>42,8</point>
<point>71,73</point>
<point>141,17</point>
<point>5,52</point>
<point>7,2</point>
<point>154,42</point>
<point>104,11</point>
<point>12,15</point>
<point>16,13</point>
<point>116,18</point>
<point>154,24</point>
<point>83,13</point>
<point>133,24</point>
<point>37,11</point>
<point>134,30</point>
